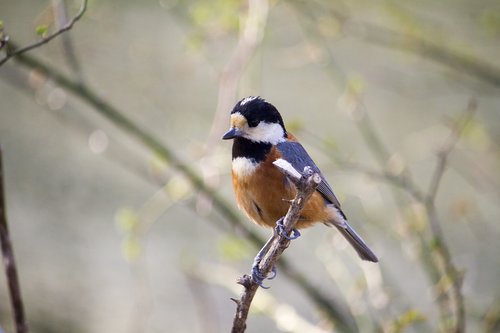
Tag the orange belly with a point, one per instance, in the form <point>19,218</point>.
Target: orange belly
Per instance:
<point>264,196</point>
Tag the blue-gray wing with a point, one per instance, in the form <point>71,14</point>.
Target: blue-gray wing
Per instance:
<point>296,155</point>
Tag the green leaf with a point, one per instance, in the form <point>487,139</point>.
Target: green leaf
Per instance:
<point>330,143</point>
<point>355,84</point>
<point>476,134</point>
<point>127,220</point>
<point>295,125</point>
<point>178,188</point>
<point>490,21</point>
<point>407,319</point>
<point>404,19</point>
<point>158,164</point>
<point>131,249</point>
<point>42,30</point>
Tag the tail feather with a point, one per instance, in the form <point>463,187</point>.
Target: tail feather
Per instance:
<point>357,242</point>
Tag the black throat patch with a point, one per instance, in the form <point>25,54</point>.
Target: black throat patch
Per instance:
<point>257,151</point>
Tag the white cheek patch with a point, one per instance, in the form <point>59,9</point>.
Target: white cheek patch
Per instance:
<point>266,132</point>
<point>244,167</point>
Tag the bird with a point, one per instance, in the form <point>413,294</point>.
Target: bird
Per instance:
<point>262,191</point>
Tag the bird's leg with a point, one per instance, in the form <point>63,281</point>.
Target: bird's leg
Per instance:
<point>257,276</point>
<point>280,230</point>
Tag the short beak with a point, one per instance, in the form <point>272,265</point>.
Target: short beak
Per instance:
<point>232,133</point>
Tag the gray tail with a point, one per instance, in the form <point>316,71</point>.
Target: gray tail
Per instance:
<point>357,242</point>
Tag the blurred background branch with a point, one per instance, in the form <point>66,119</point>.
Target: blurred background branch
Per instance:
<point>61,9</point>
<point>409,39</point>
<point>264,302</point>
<point>439,242</point>
<point>9,262</point>
<point>253,25</point>
<point>440,53</point>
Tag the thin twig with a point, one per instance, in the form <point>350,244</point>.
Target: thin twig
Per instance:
<point>306,185</point>
<point>447,148</point>
<point>251,35</point>
<point>66,39</point>
<point>439,53</point>
<point>18,51</point>
<point>380,35</point>
<point>451,305</point>
<point>439,242</point>
<point>202,299</point>
<point>10,263</point>
<point>396,180</point>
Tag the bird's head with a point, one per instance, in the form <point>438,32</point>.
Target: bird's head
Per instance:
<point>255,119</point>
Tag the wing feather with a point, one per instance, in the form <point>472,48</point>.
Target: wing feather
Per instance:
<point>298,157</point>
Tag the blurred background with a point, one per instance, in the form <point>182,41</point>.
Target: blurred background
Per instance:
<point>397,102</point>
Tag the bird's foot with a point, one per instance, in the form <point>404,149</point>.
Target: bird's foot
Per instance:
<point>280,230</point>
<point>258,277</point>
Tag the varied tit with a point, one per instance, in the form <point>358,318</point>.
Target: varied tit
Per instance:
<point>262,191</point>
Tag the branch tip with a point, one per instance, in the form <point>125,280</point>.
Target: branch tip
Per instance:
<point>244,280</point>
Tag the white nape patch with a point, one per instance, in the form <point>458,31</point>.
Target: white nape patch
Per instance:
<point>248,99</point>
<point>244,167</point>
<point>271,133</point>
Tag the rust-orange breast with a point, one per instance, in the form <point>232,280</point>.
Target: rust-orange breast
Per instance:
<point>263,193</point>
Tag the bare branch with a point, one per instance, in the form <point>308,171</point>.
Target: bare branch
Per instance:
<point>447,148</point>
<point>398,180</point>
<point>306,185</point>
<point>452,303</point>
<point>439,242</point>
<point>250,36</point>
<point>10,263</point>
<point>439,53</point>
<point>424,47</point>
<point>65,27</point>
<point>67,41</point>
